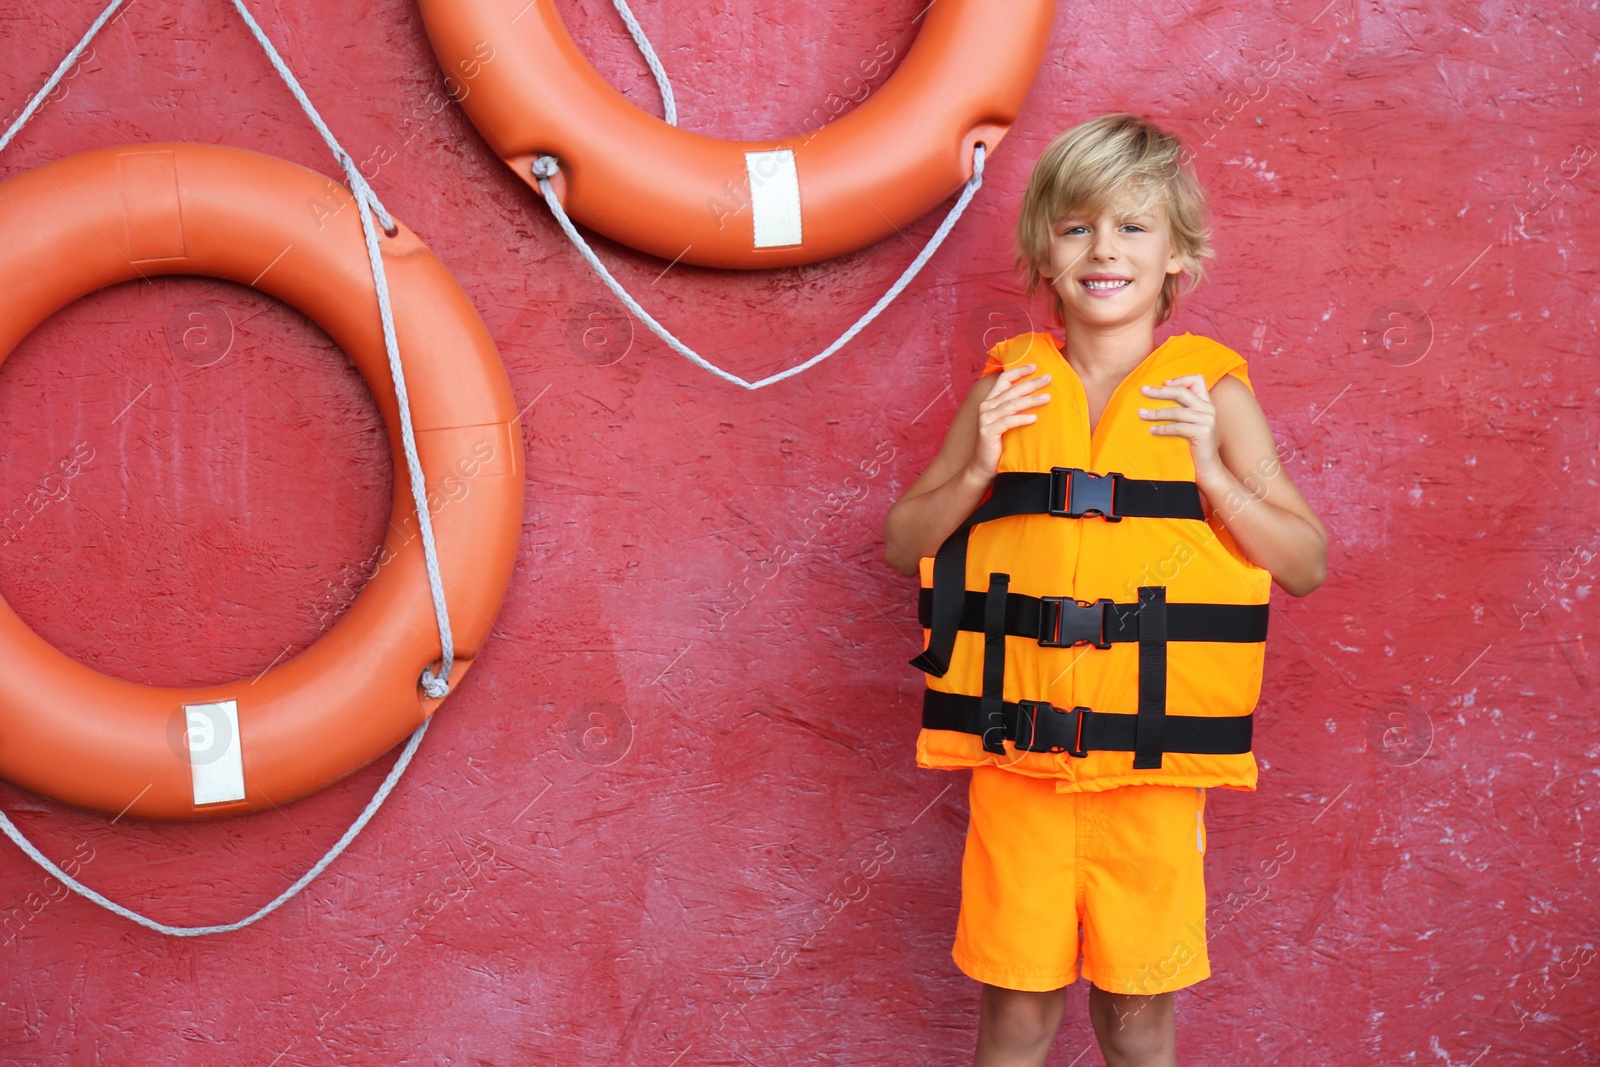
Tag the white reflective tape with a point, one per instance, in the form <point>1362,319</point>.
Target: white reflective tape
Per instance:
<point>215,755</point>
<point>774,197</point>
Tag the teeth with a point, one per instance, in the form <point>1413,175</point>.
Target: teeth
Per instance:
<point>1105,285</point>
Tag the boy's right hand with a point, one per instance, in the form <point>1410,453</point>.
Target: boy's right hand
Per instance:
<point>1001,410</point>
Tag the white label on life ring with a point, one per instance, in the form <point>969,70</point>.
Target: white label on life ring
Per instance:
<point>152,205</point>
<point>774,197</point>
<point>215,755</point>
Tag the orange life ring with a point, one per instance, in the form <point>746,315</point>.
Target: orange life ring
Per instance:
<point>684,196</point>
<point>134,211</point>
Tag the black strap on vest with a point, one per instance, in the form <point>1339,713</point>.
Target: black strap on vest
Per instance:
<point>994,664</point>
<point>1038,726</point>
<point>1068,492</point>
<point>1062,622</point>
<point>1150,735</point>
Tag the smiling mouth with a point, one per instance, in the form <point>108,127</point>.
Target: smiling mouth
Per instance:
<point>1106,286</point>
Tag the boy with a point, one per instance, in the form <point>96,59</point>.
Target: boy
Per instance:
<point>1099,669</point>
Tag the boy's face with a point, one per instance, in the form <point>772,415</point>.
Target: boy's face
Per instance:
<point>1109,270</point>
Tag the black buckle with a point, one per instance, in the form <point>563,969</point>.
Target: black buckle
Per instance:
<point>1091,493</point>
<point>1085,624</point>
<point>1043,727</point>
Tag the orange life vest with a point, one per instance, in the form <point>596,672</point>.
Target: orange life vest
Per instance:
<point>1108,632</point>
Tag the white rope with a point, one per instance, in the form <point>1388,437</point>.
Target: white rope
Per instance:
<point>60,72</point>
<point>545,166</point>
<point>358,185</point>
<point>668,105</point>
<point>282,898</point>
<point>435,686</point>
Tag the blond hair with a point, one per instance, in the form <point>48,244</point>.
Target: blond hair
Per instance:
<point>1086,169</point>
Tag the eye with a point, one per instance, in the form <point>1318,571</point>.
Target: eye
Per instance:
<point>1068,231</point>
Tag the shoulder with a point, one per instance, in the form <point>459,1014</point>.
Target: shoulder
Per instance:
<point>1233,397</point>
<point>1241,424</point>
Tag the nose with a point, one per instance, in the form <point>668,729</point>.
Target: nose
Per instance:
<point>1103,247</point>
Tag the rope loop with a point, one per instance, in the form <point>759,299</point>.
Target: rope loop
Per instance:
<point>544,167</point>
<point>436,688</point>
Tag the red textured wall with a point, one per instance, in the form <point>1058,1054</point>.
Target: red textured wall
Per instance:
<point>673,817</point>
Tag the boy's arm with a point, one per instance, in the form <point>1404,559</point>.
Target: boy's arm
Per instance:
<point>1263,511</point>
<point>946,493</point>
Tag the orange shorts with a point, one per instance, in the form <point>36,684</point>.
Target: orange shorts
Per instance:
<point>1124,863</point>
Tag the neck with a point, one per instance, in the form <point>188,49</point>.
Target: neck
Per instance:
<point>1108,353</point>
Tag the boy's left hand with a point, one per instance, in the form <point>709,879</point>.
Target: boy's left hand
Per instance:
<point>1194,418</point>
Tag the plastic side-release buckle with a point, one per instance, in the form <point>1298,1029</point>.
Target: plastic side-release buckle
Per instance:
<point>1085,624</point>
<point>1043,727</point>
<point>1075,493</point>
